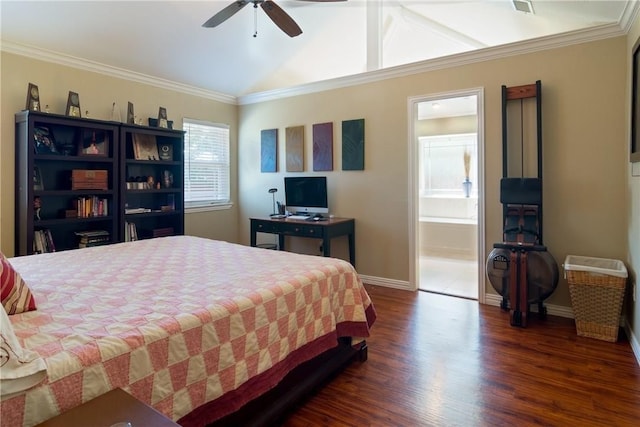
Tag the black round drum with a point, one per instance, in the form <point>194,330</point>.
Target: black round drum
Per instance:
<point>542,273</point>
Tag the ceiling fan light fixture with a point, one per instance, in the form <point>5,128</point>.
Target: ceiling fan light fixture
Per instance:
<point>523,6</point>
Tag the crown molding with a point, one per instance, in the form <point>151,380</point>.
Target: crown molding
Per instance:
<point>97,67</point>
<point>481,55</point>
<point>629,15</point>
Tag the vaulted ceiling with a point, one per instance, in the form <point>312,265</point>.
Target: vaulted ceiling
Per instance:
<point>166,40</point>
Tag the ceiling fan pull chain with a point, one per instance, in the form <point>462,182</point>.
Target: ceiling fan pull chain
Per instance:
<point>255,19</point>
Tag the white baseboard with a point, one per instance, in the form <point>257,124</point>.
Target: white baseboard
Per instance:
<point>635,345</point>
<point>554,310</point>
<point>388,283</point>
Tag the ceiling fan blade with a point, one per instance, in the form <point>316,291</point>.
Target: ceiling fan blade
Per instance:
<point>225,13</point>
<point>281,18</point>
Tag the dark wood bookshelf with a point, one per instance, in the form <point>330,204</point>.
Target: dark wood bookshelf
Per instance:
<point>158,195</point>
<point>51,146</point>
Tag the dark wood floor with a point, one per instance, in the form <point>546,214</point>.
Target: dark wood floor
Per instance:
<point>442,361</point>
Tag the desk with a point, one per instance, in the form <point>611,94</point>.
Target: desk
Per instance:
<point>325,230</point>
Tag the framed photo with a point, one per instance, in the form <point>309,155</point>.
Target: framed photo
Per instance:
<point>73,105</point>
<point>33,98</point>
<point>37,179</point>
<point>43,141</point>
<point>131,118</point>
<point>162,118</point>
<point>165,151</point>
<point>634,155</point>
<point>145,147</point>
<point>94,143</point>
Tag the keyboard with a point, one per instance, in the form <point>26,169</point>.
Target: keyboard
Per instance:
<point>299,216</point>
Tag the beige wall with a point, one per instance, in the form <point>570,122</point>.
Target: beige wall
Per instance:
<point>585,153</point>
<point>97,94</point>
<point>633,208</point>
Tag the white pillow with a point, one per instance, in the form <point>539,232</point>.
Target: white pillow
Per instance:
<point>20,369</point>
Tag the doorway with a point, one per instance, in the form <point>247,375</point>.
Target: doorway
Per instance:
<point>446,182</point>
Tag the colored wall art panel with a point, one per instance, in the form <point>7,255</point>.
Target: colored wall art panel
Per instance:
<point>353,145</point>
<point>323,147</point>
<point>295,149</point>
<point>269,150</point>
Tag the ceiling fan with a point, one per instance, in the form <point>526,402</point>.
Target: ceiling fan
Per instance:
<point>273,11</point>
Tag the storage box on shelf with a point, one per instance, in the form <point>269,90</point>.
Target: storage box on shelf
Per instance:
<point>82,179</point>
<point>596,286</point>
<point>60,160</point>
<point>151,176</point>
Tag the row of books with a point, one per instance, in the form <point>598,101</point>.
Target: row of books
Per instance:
<point>43,242</point>
<point>130,232</point>
<point>93,238</point>
<point>92,206</point>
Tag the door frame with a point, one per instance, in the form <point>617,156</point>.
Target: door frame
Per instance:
<point>413,151</point>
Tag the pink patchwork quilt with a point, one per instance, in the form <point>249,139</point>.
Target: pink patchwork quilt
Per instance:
<point>177,322</point>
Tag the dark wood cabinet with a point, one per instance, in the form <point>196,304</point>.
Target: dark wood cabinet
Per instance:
<point>72,189</point>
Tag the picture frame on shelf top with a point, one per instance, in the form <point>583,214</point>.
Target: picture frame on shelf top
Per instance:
<point>163,121</point>
<point>33,98</point>
<point>73,105</point>
<point>131,118</point>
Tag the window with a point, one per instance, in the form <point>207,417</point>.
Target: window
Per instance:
<point>442,165</point>
<point>206,165</point>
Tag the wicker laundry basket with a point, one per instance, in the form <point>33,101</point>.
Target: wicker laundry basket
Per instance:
<point>597,288</point>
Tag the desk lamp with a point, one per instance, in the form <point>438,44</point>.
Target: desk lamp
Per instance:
<point>273,192</point>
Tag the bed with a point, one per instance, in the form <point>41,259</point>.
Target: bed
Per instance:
<point>197,328</point>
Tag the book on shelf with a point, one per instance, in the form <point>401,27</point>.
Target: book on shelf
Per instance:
<point>145,147</point>
<point>43,241</point>
<point>136,210</point>
<point>93,238</point>
<point>130,232</point>
<point>92,206</point>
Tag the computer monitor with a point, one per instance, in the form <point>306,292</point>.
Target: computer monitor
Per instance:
<point>306,194</point>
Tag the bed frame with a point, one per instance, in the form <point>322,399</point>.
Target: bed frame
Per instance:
<point>298,385</point>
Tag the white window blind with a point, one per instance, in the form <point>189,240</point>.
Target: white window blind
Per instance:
<point>206,166</point>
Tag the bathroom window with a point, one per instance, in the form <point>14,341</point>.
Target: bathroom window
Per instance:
<point>442,163</point>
